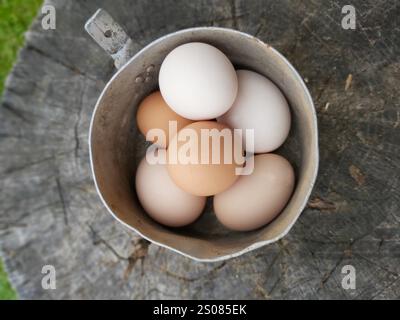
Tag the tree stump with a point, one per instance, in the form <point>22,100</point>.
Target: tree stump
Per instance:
<point>51,214</point>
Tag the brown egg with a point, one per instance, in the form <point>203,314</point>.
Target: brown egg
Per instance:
<point>154,113</point>
<point>256,199</point>
<point>201,166</point>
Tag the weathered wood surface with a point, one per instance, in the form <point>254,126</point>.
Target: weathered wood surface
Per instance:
<point>50,213</point>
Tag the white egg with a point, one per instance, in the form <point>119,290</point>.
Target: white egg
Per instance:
<point>260,106</point>
<point>198,81</point>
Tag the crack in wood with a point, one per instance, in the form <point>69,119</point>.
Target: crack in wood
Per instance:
<point>16,222</point>
<point>329,274</point>
<point>140,250</point>
<point>163,294</point>
<point>12,170</point>
<point>384,268</point>
<point>384,289</point>
<point>234,14</point>
<point>319,39</point>
<point>96,239</point>
<point>212,272</point>
<point>63,205</point>
<point>323,87</point>
<point>77,122</point>
<point>17,113</point>
<point>62,63</point>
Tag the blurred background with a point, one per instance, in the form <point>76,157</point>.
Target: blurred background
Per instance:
<point>15,18</point>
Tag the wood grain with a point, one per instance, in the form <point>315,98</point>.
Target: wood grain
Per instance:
<point>50,213</point>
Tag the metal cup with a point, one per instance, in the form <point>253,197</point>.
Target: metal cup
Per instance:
<point>116,146</point>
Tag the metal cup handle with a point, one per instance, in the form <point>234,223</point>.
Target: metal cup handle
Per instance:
<point>110,36</point>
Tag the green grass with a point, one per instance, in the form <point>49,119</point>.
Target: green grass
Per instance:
<point>15,18</point>
<point>6,291</point>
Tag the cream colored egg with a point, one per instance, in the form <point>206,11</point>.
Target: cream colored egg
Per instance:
<point>162,199</point>
<point>259,106</point>
<point>198,81</point>
<point>256,199</point>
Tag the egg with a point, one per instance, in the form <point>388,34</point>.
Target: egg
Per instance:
<point>162,199</point>
<point>154,113</point>
<point>200,165</point>
<point>262,107</point>
<point>256,199</point>
<point>198,81</point>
